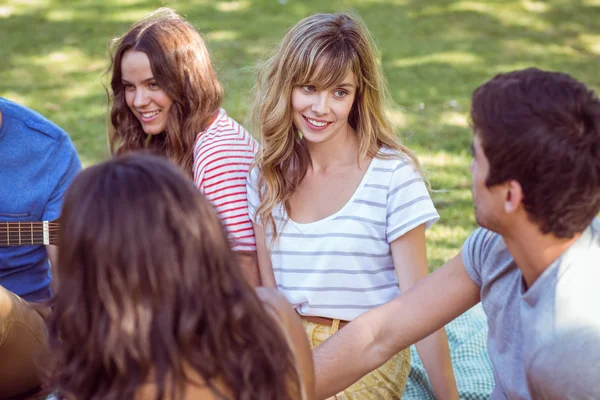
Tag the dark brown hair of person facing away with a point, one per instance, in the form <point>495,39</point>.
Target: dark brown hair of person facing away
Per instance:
<point>181,65</point>
<point>542,129</point>
<point>148,291</point>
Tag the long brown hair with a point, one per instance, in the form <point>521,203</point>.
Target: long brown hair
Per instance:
<point>149,291</point>
<point>339,43</point>
<point>181,65</point>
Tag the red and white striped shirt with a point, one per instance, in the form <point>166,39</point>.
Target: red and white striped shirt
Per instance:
<point>223,154</point>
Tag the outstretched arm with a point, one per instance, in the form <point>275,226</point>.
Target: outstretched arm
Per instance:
<point>374,337</point>
<point>410,259</point>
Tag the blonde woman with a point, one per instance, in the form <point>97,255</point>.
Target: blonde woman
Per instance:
<point>338,204</point>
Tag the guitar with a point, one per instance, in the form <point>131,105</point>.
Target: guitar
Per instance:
<point>28,233</point>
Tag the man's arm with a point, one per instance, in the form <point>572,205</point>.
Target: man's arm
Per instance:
<point>374,337</point>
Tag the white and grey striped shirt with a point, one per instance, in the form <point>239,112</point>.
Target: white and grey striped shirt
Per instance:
<point>341,266</point>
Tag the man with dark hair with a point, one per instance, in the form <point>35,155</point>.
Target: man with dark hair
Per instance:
<point>37,163</point>
<point>535,262</point>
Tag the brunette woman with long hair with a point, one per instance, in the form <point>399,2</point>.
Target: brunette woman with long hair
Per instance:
<point>339,205</point>
<point>150,302</point>
<point>165,96</point>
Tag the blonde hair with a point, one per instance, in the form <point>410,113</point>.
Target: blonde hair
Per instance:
<point>319,50</point>
<point>182,67</point>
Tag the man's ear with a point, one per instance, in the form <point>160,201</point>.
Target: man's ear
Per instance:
<point>513,196</point>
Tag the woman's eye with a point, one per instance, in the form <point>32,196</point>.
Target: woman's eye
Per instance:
<point>309,88</point>
<point>153,85</point>
<point>340,93</point>
<point>128,87</point>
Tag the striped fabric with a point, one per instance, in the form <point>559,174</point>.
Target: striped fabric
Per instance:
<point>223,154</point>
<point>341,266</point>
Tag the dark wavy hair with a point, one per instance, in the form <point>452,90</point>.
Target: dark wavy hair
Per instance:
<point>181,65</point>
<point>149,291</point>
<point>542,129</point>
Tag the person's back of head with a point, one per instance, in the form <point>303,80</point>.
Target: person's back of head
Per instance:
<point>148,291</point>
<point>542,129</point>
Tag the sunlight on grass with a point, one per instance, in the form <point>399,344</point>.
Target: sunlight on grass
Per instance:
<point>67,61</point>
<point>454,118</point>
<point>509,14</point>
<point>14,96</point>
<point>20,7</point>
<point>221,36</point>
<point>68,14</point>
<point>6,11</point>
<point>527,45</point>
<point>444,159</point>
<point>535,6</point>
<point>128,16</point>
<point>397,117</point>
<point>473,6</point>
<point>454,58</point>
<point>590,42</point>
<point>229,6</point>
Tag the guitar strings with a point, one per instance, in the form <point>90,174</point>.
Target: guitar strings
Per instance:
<point>27,233</point>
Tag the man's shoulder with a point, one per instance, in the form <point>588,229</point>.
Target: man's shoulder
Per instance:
<point>30,121</point>
<point>486,246</point>
<point>486,257</point>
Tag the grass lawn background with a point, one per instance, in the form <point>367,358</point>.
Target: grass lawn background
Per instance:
<point>53,54</point>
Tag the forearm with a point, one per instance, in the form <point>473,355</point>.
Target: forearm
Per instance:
<point>374,337</point>
<point>335,360</point>
<point>435,356</point>
<point>267,278</point>
<point>249,265</point>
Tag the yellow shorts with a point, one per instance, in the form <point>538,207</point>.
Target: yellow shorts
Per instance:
<point>386,382</point>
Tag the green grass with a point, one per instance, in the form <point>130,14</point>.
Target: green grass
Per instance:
<point>434,53</point>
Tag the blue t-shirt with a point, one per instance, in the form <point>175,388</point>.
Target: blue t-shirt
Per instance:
<point>37,163</point>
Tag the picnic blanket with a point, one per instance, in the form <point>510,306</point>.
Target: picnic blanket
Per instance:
<point>467,337</point>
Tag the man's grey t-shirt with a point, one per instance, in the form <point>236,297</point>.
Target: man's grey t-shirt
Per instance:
<point>543,341</point>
